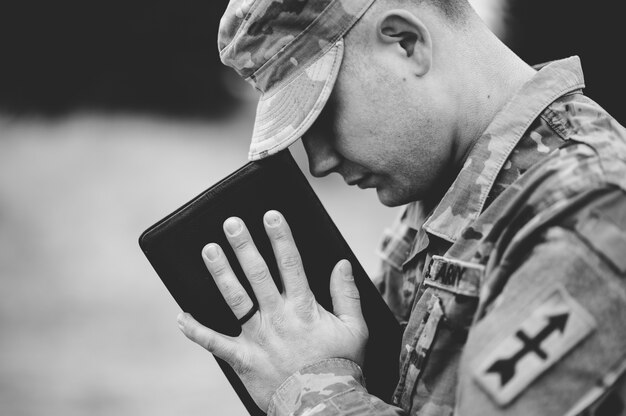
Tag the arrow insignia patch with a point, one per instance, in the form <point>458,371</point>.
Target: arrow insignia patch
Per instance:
<point>551,330</point>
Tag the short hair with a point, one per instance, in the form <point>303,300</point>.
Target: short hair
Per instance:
<point>455,10</point>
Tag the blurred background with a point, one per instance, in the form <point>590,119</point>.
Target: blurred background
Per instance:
<point>113,114</point>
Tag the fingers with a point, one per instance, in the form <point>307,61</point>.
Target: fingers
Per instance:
<point>216,343</point>
<point>345,295</point>
<point>287,256</point>
<point>252,264</point>
<point>233,292</point>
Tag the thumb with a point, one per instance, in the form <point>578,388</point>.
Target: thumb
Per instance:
<point>345,295</point>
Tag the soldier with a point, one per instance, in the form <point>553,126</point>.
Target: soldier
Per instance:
<point>507,265</point>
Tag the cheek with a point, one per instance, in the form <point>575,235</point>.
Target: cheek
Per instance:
<point>355,121</point>
<point>358,108</point>
<point>355,139</point>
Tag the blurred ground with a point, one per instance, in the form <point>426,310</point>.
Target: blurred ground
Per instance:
<point>87,327</point>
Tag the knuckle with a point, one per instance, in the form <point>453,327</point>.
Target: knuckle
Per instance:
<point>279,326</point>
<point>278,322</point>
<point>281,235</point>
<point>306,309</point>
<point>236,298</point>
<point>258,274</point>
<point>290,261</point>
<point>219,269</point>
<point>352,293</point>
<point>208,344</point>
<point>241,244</point>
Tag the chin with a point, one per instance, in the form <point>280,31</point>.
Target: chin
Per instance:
<point>395,196</point>
<point>389,199</point>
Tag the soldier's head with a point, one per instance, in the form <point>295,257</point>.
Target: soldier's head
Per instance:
<point>379,90</point>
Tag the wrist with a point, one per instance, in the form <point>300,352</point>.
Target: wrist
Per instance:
<point>340,373</point>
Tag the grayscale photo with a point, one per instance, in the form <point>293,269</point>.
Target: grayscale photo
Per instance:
<point>312,208</point>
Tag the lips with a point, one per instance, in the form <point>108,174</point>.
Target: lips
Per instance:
<point>357,181</point>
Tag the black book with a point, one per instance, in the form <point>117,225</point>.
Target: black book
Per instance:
<point>173,247</point>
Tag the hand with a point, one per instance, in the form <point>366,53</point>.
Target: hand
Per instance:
<point>290,330</point>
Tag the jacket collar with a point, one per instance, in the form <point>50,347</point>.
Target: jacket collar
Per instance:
<point>465,199</point>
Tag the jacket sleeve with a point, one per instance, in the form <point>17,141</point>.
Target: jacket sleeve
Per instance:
<point>553,340</point>
<point>332,387</point>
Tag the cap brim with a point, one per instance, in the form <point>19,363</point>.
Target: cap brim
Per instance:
<point>286,112</point>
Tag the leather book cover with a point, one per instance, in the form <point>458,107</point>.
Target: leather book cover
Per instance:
<point>173,247</point>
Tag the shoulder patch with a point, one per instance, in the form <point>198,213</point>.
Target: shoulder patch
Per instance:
<point>552,329</point>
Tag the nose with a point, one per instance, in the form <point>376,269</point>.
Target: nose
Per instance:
<point>323,159</point>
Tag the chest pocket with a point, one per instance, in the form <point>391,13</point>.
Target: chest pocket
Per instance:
<point>435,335</point>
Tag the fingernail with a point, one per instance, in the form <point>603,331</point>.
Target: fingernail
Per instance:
<point>211,252</point>
<point>233,226</point>
<point>346,270</point>
<point>272,218</point>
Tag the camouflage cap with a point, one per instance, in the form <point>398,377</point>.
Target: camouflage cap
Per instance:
<point>291,51</point>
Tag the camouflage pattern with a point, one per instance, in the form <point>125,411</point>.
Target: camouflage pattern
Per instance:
<point>539,204</point>
<point>316,391</point>
<point>290,51</point>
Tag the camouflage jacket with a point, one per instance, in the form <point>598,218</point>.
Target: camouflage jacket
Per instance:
<point>512,287</point>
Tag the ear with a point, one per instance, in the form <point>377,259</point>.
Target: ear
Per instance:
<point>403,29</point>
